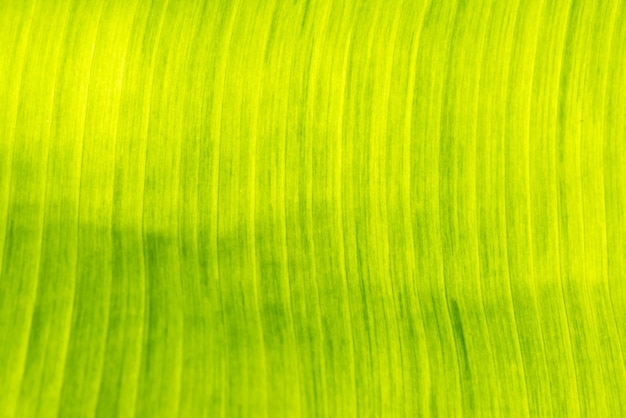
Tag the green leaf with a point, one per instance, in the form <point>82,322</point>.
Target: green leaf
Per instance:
<point>298,208</point>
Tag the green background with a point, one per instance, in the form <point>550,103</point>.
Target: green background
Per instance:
<point>284,208</point>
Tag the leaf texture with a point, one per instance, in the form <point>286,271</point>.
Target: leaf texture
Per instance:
<point>312,208</point>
